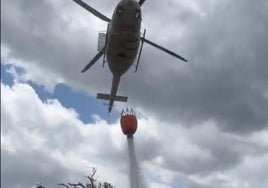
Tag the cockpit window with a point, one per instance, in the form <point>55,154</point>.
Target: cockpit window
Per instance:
<point>119,10</point>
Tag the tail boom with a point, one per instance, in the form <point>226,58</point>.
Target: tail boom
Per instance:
<point>113,97</point>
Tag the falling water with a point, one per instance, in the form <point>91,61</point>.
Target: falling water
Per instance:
<point>136,179</point>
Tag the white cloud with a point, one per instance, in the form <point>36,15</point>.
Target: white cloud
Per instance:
<point>249,173</point>
<point>31,127</point>
<point>46,133</point>
<point>159,185</point>
<point>30,72</point>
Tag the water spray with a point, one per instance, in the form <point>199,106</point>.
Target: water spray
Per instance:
<point>129,126</point>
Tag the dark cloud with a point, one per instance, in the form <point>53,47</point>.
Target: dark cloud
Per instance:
<point>227,77</point>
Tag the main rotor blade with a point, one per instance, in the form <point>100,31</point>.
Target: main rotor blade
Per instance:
<point>164,49</point>
<point>141,2</point>
<point>92,10</point>
<point>93,61</point>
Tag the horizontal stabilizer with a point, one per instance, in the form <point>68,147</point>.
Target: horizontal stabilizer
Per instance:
<point>107,97</point>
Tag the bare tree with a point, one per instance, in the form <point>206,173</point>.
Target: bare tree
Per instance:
<point>91,184</point>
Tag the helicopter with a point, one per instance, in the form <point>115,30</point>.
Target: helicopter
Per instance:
<point>123,43</point>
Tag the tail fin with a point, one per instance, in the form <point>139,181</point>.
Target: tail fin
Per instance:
<point>108,97</point>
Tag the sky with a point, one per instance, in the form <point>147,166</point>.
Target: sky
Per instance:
<point>201,124</point>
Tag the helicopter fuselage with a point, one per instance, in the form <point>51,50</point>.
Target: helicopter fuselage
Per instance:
<point>123,42</point>
<point>123,37</point>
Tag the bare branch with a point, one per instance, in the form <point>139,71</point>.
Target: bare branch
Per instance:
<point>64,185</point>
<point>76,185</point>
<point>91,177</point>
<point>39,185</point>
<point>94,170</point>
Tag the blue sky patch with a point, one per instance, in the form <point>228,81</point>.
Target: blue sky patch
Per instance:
<point>83,104</point>
<point>6,77</point>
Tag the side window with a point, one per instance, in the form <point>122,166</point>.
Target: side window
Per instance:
<point>138,14</point>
